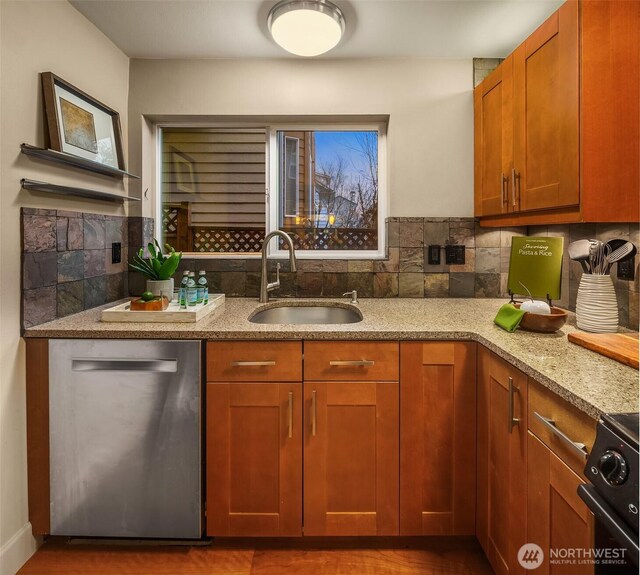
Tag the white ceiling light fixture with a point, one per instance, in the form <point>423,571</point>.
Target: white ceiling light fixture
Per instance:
<point>306,27</point>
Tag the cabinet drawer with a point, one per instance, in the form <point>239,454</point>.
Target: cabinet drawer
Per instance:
<point>351,361</point>
<point>560,426</point>
<point>230,361</point>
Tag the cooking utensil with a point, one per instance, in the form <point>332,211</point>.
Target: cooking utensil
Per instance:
<point>580,251</point>
<point>623,251</point>
<point>598,256</point>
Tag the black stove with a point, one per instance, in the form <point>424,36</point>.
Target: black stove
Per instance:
<point>614,471</point>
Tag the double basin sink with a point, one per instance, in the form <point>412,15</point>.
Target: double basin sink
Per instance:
<point>312,313</point>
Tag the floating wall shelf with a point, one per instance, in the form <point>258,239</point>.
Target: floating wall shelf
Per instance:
<point>74,161</point>
<point>36,186</point>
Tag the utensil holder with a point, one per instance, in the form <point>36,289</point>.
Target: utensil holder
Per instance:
<point>597,304</point>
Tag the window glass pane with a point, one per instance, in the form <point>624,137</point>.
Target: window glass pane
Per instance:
<point>329,197</point>
<point>213,189</point>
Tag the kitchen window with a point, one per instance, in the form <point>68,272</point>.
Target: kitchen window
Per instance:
<point>224,188</point>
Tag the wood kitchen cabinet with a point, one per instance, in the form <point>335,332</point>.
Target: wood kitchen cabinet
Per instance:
<point>556,516</point>
<point>437,438</point>
<point>254,439</point>
<point>567,123</point>
<point>261,418</point>
<point>493,125</point>
<point>559,440</point>
<point>351,438</point>
<point>501,461</point>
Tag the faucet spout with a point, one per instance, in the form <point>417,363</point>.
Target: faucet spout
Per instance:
<point>265,286</point>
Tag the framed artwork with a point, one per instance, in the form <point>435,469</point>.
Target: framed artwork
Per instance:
<point>80,125</point>
<point>183,167</point>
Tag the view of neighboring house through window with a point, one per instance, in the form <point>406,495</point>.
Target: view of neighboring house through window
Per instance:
<point>324,189</point>
<point>328,181</point>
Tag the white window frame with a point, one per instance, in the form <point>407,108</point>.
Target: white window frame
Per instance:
<point>272,191</point>
<point>286,168</point>
<point>273,198</point>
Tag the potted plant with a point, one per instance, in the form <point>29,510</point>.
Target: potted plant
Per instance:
<point>158,268</point>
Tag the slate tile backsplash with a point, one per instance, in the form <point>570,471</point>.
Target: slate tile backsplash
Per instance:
<point>406,271</point>
<point>66,262</point>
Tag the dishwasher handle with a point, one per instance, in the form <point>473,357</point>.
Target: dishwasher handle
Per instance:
<point>120,364</point>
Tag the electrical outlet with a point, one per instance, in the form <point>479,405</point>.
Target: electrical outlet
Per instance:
<point>627,269</point>
<point>116,252</point>
<point>454,254</point>
<point>434,255</point>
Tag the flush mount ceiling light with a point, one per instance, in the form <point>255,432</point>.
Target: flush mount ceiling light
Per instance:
<point>306,27</point>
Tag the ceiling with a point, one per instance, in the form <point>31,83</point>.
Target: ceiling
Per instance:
<point>375,28</point>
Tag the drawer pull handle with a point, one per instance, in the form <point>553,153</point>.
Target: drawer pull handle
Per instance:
<point>252,363</point>
<point>314,413</point>
<point>352,363</point>
<point>125,364</point>
<point>513,421</point>
<point>290,415</point>
<point>550,424</point>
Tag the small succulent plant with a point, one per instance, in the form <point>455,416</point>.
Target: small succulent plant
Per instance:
<point>158,266</point>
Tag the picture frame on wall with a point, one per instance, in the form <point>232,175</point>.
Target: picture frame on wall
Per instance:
<point>80,125</point>
<point>184,170</point>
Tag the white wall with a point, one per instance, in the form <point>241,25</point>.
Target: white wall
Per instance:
<point>37,37</point>
<point>430,103</point>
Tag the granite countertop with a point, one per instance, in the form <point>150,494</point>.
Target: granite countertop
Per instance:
<point>591,382</point>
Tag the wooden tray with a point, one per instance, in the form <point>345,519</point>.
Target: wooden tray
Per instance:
<point>622,347</point>
<point>173,314</point>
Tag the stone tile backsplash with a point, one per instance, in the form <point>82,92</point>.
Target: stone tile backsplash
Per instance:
<point>66,261</point>
<point>406,271</point>
<point>67,264</point>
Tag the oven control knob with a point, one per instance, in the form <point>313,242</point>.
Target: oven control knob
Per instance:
<point>613,467</point>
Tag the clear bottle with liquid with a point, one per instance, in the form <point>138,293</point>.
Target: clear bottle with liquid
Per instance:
<point>203,288</point>
<point>192,290</point>
<point>183,290</point>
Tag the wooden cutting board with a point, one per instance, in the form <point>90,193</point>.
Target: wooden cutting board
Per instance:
<point>622,347</point>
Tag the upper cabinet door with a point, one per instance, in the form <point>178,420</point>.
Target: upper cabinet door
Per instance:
<point>546,114</point>
<point>493,133</point>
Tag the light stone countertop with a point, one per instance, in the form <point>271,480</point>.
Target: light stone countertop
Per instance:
<point>591,382</point>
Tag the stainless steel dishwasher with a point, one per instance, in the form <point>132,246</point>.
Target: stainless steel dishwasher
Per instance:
<point>125,447</point>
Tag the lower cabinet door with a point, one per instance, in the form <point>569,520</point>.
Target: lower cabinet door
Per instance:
<point>438,438</point>
<point>254,459</point>
<point>501,509</point>
<point>557,519</point>
<point>351,458</point>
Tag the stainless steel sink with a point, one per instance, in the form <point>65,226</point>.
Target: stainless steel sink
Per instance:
<point>312,313</point>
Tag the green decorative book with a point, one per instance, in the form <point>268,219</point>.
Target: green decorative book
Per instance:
<point>536,262</point>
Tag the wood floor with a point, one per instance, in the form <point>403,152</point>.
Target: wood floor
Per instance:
<point>400,556</point>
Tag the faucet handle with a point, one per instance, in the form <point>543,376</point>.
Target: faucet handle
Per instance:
<point>353,295</point>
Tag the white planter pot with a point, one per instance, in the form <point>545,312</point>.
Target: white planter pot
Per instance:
<point>161,287</point>
<point>597,304</point>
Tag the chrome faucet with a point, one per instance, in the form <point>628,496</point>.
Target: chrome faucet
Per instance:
<point>265,286</point>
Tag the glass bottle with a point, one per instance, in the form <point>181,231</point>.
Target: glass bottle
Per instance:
<point>203,288</point>
<point>183,290</point>
<point>192,290</point>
